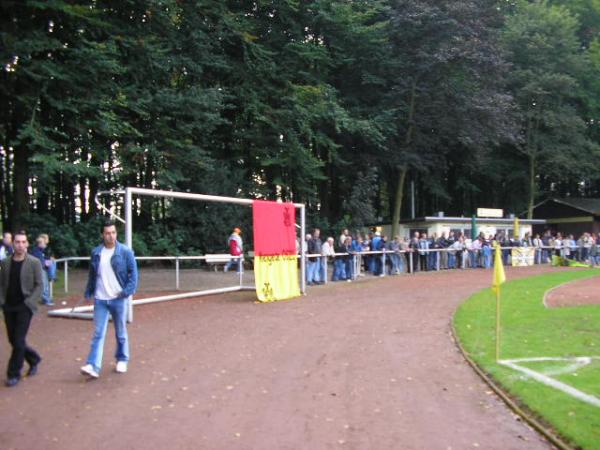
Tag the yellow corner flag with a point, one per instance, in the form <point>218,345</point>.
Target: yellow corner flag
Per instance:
<point>499,276</point>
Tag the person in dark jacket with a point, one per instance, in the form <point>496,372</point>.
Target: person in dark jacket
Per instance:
<point>20,291</point>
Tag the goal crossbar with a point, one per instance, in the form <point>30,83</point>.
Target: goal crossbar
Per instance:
<point>86,312</point>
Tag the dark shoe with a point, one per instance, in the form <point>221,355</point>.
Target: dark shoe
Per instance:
<point>33,369</point>
<point>11,382</point>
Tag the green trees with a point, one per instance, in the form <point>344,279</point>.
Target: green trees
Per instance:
<point>333,103</point>
<point>546,75</point>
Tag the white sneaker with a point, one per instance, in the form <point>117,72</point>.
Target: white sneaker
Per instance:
<point>88,370</point>
<point>121,366</point>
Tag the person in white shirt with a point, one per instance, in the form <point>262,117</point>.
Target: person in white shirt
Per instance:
<point>328,252</point>
<point>112,280</point>
<point>558,244</point>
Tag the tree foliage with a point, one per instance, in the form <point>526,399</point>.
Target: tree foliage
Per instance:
<point>332,103</point>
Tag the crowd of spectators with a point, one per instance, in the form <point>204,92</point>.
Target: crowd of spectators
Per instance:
<point>357,254</point>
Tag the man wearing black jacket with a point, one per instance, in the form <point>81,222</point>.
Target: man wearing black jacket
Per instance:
<point>21,287</point>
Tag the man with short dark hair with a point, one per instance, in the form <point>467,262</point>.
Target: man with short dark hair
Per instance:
<point>20,290</point>
<point>112,280</point>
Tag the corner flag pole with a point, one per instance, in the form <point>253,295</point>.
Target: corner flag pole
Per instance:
<point>497,324</point>
<point>499,278</point>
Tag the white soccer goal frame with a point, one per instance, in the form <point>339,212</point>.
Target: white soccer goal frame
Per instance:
<point>86,312</point>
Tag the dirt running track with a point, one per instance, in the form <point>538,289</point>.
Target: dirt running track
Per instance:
<point>352,366</point>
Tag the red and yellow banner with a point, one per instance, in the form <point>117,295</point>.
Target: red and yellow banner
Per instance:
<point>275,262</point>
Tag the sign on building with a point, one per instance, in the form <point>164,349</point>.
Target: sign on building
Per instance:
<point>490,212</point>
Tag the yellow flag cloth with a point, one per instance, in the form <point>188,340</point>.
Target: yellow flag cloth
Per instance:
<point>499,276</point>
<point>276,277</point>
<point>516,229</point>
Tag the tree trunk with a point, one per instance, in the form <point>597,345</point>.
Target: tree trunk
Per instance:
<point>21,192</point>
<point>403,170</point>
<point>531,186</point>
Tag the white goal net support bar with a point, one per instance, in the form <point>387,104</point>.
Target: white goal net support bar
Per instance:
<point>86,312</point>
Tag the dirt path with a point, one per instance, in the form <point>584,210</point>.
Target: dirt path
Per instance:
<point>575,293</point>
<point>353,365</point>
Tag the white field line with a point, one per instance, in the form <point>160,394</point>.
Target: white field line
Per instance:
<point>544,379</point>
<point>547,293</point>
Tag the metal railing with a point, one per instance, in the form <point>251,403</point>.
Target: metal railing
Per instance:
<point>409,263</point>
<point>467,255</point>
<point>177,259</point>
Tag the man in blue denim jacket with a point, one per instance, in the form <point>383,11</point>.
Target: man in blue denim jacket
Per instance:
<point>112,280</point>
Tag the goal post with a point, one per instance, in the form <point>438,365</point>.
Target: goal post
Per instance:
<point>87,311</point>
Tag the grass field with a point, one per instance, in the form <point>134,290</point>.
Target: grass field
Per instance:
<point>530,330</point>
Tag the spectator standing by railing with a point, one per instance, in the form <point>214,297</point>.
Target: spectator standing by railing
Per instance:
<point>537,244</point>
<point>356,248</point>
<point>39,251</point>
<point>348,261</point>
<point>595,250</point>
<point>314,262</point>
<point>328,252</point>
<point>442,243</point>
<point>486,252</point>
<point>585,244</point>
<point>558,245</point>
<point>458,248</point>
<point>377,245</point>
<point>572,243</point>
<point>340,264</point>
<point>367,246</point>
<point>342,239</point>
<point>432,258</point>
<point>451,253</point>
<point>423,252</point>
<point>547,242</point>
<point>414,251</point>
<point>6,248</point>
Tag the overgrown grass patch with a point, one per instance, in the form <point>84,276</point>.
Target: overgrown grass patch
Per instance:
<point>530,330</point>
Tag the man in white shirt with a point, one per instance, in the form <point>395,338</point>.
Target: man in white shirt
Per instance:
<point>112,280</point>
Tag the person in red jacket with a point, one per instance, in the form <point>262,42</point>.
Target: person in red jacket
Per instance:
<point>236,248</point>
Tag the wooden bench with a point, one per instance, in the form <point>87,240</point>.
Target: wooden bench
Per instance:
<point>217,259</point>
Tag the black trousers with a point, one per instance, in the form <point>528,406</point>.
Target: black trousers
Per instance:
<point>17,321</point>
<point>423,262</point>
<point>415,261</point>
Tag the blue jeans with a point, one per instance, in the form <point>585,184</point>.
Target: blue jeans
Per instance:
<point>313,269</point>
<point>118,311</point>
<point>432,260</point>
<point>46,299</point>
<point>52,271</point>
<point>323,268</point>
<point>234,262</point>
<point>451,261</point>
<point>487,257</point>
<point>350,262</point>
<point>395,258</point>
<point>339,269</point>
